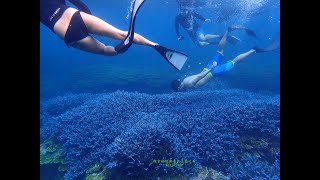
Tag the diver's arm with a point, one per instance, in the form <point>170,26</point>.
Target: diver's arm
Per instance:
<point>81,6</point>
<point>199,16</point>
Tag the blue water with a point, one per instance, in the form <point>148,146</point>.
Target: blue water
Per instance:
<point>66,69</point>
<point>67,72</point>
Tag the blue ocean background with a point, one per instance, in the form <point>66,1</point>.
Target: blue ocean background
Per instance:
<point>73,81</point>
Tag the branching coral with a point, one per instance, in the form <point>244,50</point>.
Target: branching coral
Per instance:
<point>251,167</point>
<point>129,131</point>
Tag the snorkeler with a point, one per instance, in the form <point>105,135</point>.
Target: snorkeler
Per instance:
<point>214,68</point>
<point>74,26</point>
<point>187,19</point>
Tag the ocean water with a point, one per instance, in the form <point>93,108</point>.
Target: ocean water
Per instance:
<point>118,113</point>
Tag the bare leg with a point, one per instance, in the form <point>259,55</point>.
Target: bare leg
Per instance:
<point>202,43</point>
<point>97,26</point>
<point>206,76</point>
<point>222,42</point>
<point>92,45</point>
<point>194,80</point>
<point>204,80</point>
<point>206,37</point>
<point>242,56</point>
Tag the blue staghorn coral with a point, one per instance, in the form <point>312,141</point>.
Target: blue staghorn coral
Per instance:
<point>251,167</point>
<point>129,130</point>
<point>59,105</point>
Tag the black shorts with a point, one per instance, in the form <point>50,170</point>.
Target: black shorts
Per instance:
<point>76,31</point>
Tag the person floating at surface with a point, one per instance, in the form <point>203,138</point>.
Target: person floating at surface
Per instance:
<point>74,26</point>
<point>214,68</point>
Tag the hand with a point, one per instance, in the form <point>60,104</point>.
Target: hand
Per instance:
<point>180,38</point>
<point>207,20</point>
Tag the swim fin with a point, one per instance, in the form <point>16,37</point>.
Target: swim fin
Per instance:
<point>127,42</point>
<point>249,32</point>
<point>272,46</point>
<point>259,49</point>
<point>175,58</point>
<point>232,40</point>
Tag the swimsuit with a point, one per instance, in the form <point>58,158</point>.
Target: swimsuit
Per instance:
<point>76,31</point>
<point>220,69</point>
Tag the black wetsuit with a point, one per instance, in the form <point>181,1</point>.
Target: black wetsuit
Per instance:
<point>52,10</point>
<point>189,23</point>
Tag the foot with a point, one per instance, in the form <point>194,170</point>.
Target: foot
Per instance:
<point>110,51</point>
<point>121,48</point>
<point>214,64</point>
<point>202,43</point>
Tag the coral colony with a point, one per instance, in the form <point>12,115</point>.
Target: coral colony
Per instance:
<point>146,136</point>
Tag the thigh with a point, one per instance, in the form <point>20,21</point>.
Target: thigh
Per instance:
<point>204,80</point>
<point>97,26</point>
<point>89,44</point>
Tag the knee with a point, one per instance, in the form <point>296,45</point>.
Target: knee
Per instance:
<point>122,34</point>
<point>201,37</point>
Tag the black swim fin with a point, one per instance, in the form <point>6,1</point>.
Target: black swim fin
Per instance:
<point>259,49</point>
<point>248,31</point>
<point>232,40</point>
<point>272,46</point>
<point>127,42</point>
<point>175,58</point>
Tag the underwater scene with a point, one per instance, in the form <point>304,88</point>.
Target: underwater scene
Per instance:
<point>159,89</point>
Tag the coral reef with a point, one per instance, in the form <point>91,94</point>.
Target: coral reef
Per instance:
<point>52,161</point>
<point>98,172</point>
<point>129,132</point>
<point>252,167</point>
<point>50,153</point>
<point>58,105</point>
<point>210,174</point>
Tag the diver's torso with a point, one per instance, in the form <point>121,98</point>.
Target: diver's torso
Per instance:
<point>188,22</point>
<point>51,11</point>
